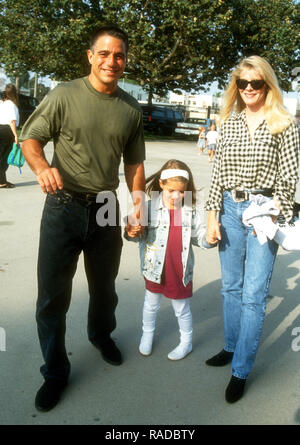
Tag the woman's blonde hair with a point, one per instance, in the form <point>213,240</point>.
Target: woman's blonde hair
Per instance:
<point>276,115</point>
<point>153,180</point>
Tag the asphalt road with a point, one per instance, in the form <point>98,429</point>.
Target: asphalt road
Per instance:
<point>144,390</point>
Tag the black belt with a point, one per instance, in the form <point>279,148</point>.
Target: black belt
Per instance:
<point>243,195</point>
<point>89,197</point>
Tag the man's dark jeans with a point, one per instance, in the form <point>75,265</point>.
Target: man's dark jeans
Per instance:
<point>69,227</point>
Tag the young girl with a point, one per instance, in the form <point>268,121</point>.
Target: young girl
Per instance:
<point>166,254</point>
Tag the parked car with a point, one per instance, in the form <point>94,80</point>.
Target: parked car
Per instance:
<point>160,119</point>
<point>27,105</point>
<point>191,126</point>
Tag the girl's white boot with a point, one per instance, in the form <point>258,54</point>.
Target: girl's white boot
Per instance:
<point>151,306</point>
<point>186,334</point>
<point>184,347</point>
<point>145,347</point>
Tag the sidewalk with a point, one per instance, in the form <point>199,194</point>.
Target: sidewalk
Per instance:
<point>144,390</point>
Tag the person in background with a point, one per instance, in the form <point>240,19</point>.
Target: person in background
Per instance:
<point>258,153</point>
<point>211,141</point>
<point>201,140</point>
<point>9,121</point>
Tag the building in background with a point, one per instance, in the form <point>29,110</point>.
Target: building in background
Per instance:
<point>197,105</point>
<point>133,89</point>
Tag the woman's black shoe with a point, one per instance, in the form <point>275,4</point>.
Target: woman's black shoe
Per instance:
<point>235,389</point>
<point>49,394</point>
<point>221,359</point>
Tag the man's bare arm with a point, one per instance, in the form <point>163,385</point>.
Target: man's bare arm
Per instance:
<point>47,176</point>
<point>135,177</point>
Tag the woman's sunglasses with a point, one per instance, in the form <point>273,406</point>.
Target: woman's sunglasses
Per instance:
<point>256,84</point>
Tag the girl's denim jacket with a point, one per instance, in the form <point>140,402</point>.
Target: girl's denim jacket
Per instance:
<point>153,242</point>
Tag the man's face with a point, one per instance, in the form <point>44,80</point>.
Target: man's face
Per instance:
<point>108,60</point>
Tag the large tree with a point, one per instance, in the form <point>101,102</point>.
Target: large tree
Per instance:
<point>270,29</point>
<point>45,36</point>
<point>175,44</point>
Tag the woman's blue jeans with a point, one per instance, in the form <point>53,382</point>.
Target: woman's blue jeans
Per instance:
<point>69,227</point>
<point>246,268</point>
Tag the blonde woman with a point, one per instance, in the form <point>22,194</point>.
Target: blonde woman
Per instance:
<point>258,153</point>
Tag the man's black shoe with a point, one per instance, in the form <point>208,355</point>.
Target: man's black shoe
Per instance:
<point>49,394</point>
<point>110,353</point>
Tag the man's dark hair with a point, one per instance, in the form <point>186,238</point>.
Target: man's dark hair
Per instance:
<point>111,30</point>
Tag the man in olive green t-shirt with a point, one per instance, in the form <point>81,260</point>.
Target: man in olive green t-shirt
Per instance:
<point>93,124</point>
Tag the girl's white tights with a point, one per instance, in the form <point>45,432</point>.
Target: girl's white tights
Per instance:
<point>184,317</point>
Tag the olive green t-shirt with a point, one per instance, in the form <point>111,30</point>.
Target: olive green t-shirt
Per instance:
<point>91,132</point>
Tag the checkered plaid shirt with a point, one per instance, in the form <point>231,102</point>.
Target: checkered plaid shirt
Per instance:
<point>267,162</point>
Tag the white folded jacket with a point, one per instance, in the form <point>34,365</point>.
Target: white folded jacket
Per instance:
<point>258,215</point>
<point>288,235</point>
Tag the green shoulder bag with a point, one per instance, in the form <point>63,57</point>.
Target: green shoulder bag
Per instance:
<point>16,157</point>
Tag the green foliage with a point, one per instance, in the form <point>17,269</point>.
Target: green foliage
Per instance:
<point>46,36</point>
<point>174,44</point>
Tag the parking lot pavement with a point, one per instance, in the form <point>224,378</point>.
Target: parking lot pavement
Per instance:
<point>144,390</point>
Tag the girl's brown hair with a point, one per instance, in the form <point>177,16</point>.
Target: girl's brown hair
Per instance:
<point>153,180</point>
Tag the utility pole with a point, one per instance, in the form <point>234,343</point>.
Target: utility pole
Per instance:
<point>35,91</point>
<point>17,83</point>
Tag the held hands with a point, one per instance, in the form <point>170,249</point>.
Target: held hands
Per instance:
<point>134,228</point>
<point>134,231</point>
<point>50,180</point>
<point>213,233</point>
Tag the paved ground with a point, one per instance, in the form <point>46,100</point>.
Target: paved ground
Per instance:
<point>152,390</point>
